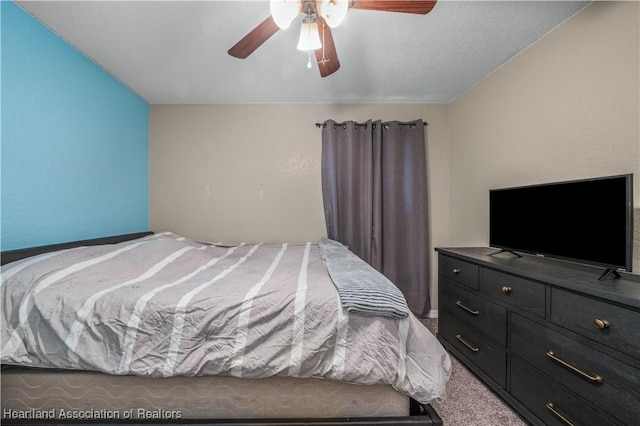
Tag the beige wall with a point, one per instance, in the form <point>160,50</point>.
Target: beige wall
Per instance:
<point>566,108</point>
<point>252,172</point>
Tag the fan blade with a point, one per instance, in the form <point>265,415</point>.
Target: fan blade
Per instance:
<point>254,39</point>
<point>421,7</point>
<point>326,56</point>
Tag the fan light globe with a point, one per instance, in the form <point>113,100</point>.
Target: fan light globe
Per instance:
<point>333,11</point>
<point>309,37</point>
<point>284,11</point>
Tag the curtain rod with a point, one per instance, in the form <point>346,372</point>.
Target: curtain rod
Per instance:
<point>362,124</point>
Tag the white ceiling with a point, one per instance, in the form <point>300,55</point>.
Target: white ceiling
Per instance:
<point>173,52</point>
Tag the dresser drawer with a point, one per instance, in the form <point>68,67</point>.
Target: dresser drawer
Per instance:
<point>488,356</point>
<point>462,272</point>
<point>621,327</point>
<point>484,316</point>
<point>549,401</point>
<point>608,383</point>
<point>518,292</point>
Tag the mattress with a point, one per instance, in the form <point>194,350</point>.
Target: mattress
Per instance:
<point>164,306</point>
<point>31,394</point>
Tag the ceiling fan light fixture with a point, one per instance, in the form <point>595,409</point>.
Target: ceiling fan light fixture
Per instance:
<point>333,11</point>
<point>284,12</point>
<point>309,37</point>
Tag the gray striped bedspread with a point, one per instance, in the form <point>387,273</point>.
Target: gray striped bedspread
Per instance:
<point>166,306</point>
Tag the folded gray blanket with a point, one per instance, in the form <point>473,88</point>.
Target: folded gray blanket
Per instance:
<point>362,289</point>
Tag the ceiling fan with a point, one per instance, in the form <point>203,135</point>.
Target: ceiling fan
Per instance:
<point>319,17</point>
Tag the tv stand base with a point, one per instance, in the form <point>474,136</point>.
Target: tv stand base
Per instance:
<point>505,251</point>
<point>607,272</point>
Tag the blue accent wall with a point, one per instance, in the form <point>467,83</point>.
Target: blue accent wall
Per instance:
<point>75,142</point>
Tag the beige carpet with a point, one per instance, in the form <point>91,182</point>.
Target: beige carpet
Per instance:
<point>469,402</point>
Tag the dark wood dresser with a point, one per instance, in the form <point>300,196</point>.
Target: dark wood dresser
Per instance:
<point>560,346</point>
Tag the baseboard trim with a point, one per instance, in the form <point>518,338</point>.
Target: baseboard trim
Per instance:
<point>433,313</point>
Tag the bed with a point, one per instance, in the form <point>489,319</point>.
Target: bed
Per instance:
<point>158,327</point>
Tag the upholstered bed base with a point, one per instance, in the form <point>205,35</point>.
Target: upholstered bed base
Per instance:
<point>52,395</point>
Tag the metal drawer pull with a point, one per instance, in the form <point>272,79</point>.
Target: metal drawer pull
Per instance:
<point>506,289</point>
<point>456,271</point>
<point>555,412</point>
<point>601,324</point>
<point>467,344</point>
<point>597,378</point>
<point>471,311</point>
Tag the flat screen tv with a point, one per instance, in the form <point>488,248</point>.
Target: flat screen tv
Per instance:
<point>587,221</point>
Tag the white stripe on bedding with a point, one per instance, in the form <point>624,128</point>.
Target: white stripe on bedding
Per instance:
<point>178,321</point>
<point>339,353</point>
<point>25,308</point>
<point>78,325</point>
<point>134,321</point>
<point>245,314</point>
<point>299,316</point>
<point>14,269</point>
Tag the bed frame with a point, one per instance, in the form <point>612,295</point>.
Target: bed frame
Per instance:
<point>13,255</point>
<point>419,414</point>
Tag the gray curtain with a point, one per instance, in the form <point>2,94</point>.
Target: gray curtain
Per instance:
<point>374,185</point>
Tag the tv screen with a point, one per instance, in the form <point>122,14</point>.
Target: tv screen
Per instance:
<point>588,221</point>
